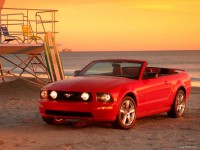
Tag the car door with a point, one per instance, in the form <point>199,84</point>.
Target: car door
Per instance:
<point>156,92</point>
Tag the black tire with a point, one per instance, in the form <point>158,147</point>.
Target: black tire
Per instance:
<point>48,120</point>
<point>127,113</point>
<point>179,105</point>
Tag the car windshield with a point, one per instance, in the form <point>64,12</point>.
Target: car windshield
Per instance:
<point>112,68</point>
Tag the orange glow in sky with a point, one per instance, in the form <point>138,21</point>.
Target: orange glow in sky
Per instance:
<point>99,25</point>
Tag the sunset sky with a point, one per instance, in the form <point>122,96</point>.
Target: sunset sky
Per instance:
<point>98,25</point>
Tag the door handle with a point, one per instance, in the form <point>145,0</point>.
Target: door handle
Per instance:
<point>165,82</point>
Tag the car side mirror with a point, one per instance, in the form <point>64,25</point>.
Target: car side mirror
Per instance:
<point>76,72</point>
<point>151,75</point>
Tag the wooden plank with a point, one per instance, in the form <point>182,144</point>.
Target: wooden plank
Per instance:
<point>21,48</point>
<point>1,71</point>
<point>53,60</point>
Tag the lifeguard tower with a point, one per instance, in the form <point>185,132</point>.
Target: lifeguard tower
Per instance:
<point>27,43</point>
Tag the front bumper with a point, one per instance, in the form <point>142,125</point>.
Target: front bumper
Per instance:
<point>94,110</point>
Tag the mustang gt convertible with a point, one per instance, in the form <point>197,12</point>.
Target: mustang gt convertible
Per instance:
<point>118,91</point>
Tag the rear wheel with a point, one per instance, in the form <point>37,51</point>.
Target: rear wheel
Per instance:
<point>127,113</point>
<point>179,105</point>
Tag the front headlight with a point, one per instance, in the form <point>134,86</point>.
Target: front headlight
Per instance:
<point>104,97</point>
<point>43,94</point>
<point>54,94</point>
<point>85,96</point>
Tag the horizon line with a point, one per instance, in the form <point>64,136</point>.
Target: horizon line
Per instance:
<point>124,50</point>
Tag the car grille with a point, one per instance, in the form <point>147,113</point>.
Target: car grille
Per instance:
<point>69,113</point>
<point>70,96</point>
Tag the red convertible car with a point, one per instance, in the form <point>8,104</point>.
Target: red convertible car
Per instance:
<point>118,91</point>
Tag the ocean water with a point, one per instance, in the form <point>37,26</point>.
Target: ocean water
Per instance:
<point>187,60</point>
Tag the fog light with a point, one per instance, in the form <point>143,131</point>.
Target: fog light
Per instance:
<point>85,96</point>
<point>53,94</point>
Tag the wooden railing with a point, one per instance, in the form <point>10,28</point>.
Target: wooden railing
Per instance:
<point>39,20</point>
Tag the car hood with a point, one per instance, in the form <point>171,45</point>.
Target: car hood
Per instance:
<point>88,83</point>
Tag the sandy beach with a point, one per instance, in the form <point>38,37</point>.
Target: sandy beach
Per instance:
<point>21,127</point>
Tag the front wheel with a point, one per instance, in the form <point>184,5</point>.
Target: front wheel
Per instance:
<point>53,120</point>
<point>179,105</point>
<point>127,113</point>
